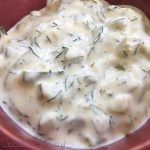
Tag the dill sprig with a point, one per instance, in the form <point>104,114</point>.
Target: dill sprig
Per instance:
<point>91,50</point>
<point>22,39</point>
<point>61,118</point>
<point>53,98</point>
<point>120,67</point>
<point>41,95</point>
<point>146,71</point>
<point>64,51</point>
<point>65,83</point>
<point>31,49</point>
<point>134,19</point>
<point>111,121</point>
<point>54,23</point>
<point>98,38</point>
<point>38,31</point>
<point>78,80</point>
<point>96,109</point>
<point>36,42</point>
<point>48,39</point>
<point>125,53</point>
<point>102,91</point>
<point>136,49</point>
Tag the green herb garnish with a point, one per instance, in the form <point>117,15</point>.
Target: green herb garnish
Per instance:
<point>63,52</point>
<point>53,98</point>
<point>120,68</point>
<point>33,51</point>
<point>61,118</point>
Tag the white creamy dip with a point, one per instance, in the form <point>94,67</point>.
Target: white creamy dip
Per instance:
<point>77,72</point>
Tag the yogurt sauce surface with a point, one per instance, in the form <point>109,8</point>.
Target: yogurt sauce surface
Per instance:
<point>77,72</point>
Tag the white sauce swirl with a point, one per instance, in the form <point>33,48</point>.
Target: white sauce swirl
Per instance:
<point>77,72</point>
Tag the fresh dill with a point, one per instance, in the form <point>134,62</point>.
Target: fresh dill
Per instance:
<point>120,67</point>
<point>146,71</point>
<point>48,39</point>
<point>98,38</point>
<point>54,23</point>
<point>91,50</point>
<point>136,49</point>
<point>61,118</point>
<point>63,52</point>
<point>36,42</point>
<point>31,49</point>
<point>53,98</point>
<point>125,53</point>
<point>110,122</point>
<point>41,95</point>
<point>78,80</point>
<point>102,91</point>
<point>22,39</point>
<point>65,83</point>
<point>38,31</point>
<point>4,102</point>
<point>134,19</point>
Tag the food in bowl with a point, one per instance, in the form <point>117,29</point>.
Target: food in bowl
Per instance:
<point>77,72</point>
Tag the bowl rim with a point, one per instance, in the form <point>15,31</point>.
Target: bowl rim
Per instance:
<point>23,139</point>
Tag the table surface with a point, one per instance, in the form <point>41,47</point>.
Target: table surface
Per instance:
<point>11,17</point>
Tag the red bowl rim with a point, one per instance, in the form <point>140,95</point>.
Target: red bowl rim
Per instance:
<point>138,140</point>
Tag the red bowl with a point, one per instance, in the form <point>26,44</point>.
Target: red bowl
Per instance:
<point>13,137</point>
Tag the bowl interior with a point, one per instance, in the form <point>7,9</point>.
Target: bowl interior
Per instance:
<point>11,136</point>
